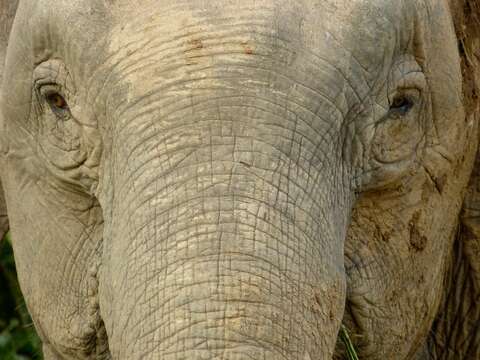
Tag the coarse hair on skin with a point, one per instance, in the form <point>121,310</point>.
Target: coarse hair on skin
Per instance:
<point>466,16</point>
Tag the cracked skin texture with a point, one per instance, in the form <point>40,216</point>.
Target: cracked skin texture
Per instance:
<point>233,180</point>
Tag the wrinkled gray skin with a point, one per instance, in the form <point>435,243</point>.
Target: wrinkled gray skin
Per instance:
<point>233,179</point>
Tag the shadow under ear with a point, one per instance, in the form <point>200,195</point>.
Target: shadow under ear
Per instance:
<point>455,333</point>
<point>470,225</point>
<point>3,215</point>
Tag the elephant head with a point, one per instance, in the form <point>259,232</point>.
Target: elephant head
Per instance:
<point>236,179</point>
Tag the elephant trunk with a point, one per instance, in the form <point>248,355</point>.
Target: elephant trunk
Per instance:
<point>223,260</point>
<point>225,234</point>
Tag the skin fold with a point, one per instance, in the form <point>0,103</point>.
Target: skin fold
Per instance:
<point>237,179</point>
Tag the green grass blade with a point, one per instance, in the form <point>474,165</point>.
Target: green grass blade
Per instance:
<point>350,350</point>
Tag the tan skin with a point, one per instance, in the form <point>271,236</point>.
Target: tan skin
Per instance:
<point>226,180</point>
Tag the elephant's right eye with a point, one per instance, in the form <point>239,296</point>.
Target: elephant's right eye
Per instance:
<point>59,127</point>
<point>58,132</point>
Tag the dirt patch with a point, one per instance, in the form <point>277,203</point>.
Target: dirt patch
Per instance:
<point>196,43</point>
<point>247,49</point>
<point>418,242</point>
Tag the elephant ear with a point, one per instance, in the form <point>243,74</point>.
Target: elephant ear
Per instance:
<point>456,331</point>
<point>7,14</point>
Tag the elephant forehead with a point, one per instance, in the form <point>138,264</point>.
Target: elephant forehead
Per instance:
<point>346,34</point>
<point>304,21</point>
<point>301,21</point>
<point>363,31</point>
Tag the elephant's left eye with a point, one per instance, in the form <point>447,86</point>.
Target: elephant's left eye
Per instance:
<point>57,101</point>
<point>401,105</point>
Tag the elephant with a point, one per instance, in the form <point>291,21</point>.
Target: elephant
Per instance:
<point>232,179</point>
